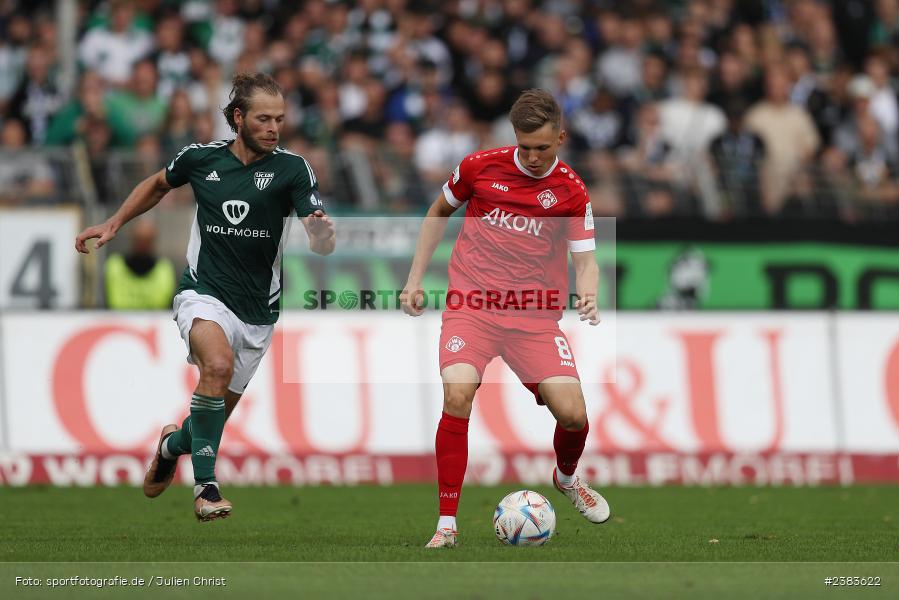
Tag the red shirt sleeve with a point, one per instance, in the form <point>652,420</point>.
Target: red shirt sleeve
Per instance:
<point>580,224</point>
<point>460,186</point>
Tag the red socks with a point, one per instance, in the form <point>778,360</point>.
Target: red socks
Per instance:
<point>452,459</point>
<point>569,445</point>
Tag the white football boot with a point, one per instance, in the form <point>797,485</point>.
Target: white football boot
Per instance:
<point>586,500</point>
<point>444,538</point>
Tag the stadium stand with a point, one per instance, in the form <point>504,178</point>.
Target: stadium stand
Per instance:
<point>716,109</point>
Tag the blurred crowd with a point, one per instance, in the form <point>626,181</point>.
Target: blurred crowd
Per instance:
<point>714,108</point>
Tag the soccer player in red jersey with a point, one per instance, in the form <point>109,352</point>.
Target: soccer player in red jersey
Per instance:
<point>508,282</point>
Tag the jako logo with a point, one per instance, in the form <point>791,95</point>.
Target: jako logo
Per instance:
<point>500,187</point>
<point>509,220</point>
<point>235,210</point>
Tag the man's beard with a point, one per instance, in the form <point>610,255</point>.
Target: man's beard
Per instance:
<point>250,143</point>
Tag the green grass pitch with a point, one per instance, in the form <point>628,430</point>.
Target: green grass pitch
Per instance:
<point>325,541</point>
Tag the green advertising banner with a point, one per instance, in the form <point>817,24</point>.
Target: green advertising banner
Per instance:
<point>712,275</point>
<point>716,268</point>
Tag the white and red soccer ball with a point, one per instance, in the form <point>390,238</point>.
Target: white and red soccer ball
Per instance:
<point>524,518</point>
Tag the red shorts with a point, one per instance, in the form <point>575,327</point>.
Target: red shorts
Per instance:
<point>534,348</point>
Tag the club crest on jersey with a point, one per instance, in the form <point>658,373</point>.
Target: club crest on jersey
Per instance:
<point>263,179</point>
<point>235,210</point>
<point>455,344</point>
<point>546,198</point>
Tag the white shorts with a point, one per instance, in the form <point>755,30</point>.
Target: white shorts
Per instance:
<point>249,343</point>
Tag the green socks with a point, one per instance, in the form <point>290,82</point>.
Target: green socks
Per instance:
<point>200,435</point>
<point>178,443</point>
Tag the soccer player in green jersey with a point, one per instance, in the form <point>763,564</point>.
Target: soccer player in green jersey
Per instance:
<point>246,191</point>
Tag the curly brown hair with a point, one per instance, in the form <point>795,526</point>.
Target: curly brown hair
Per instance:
<point>243,85</point>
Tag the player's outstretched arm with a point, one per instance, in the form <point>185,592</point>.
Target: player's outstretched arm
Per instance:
<point>432,229</point>
<point>586,282</point>
<point>320,228</point>
<point>142,198</point>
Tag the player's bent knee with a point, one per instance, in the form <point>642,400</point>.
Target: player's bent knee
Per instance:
<point>458,402</point>
<point>573,421</point>
<point>218,370</point>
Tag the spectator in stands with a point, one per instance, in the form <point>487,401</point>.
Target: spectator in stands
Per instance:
<point>733,82</point>
<point>868,171</point>
<point>371,25</point>
<point>689,124</point>
<point>226,34</point>
<point>147,156</point>
<point>874,168</point>
<point>96,135</point>
<point>692,51</point>
<point>90,103</point>
<point>808,91</point>
<point>571,86</point>
<point>113,50</point>
<point>352,86</point>
<point>743,43</point>
<point>38,97</point>
<point>790,137</point>
<point>288,79</point>
<point>438,151</point>
<point>653,86</point>
<point>552,35</point>
<point>208,93</point>
<point>178,130</point>
<point>846,138</point>
<point>171,58</point>
<point>25,175</point>
<point>140,279</point>
<point>738,155</point>
<point>321,121</point>
<point>885,28</point>
<point>618,67</point>
<point>660,35</point>
<point>423,45</point>
<point>494,56</point>
<point>822,41</point>
<point>370,124</point>
<point>253,56</point>
<point>515,33</point>
<point>46,36</point>
<point>490,100</point>
<point>884,104</point>
<point>361,77</point>
<point>463,41</point>
<point>137,111</point>
<point>13,55</point>
<point>805,81</point>
<point>648,171</point>
<point>598,127</point>
<point>397,173</point>
<point>204,128</point>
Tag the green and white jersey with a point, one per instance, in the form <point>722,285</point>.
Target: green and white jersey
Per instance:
<point>243,217</point>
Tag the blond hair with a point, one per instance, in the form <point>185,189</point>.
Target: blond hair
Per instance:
<point>533,109</point>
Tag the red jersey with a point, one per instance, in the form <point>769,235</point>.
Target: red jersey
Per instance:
<point>512,251</point>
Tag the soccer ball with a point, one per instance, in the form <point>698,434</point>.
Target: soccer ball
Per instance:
<point>524,518</point>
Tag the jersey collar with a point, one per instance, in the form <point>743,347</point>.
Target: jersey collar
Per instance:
<point>522,168</point>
